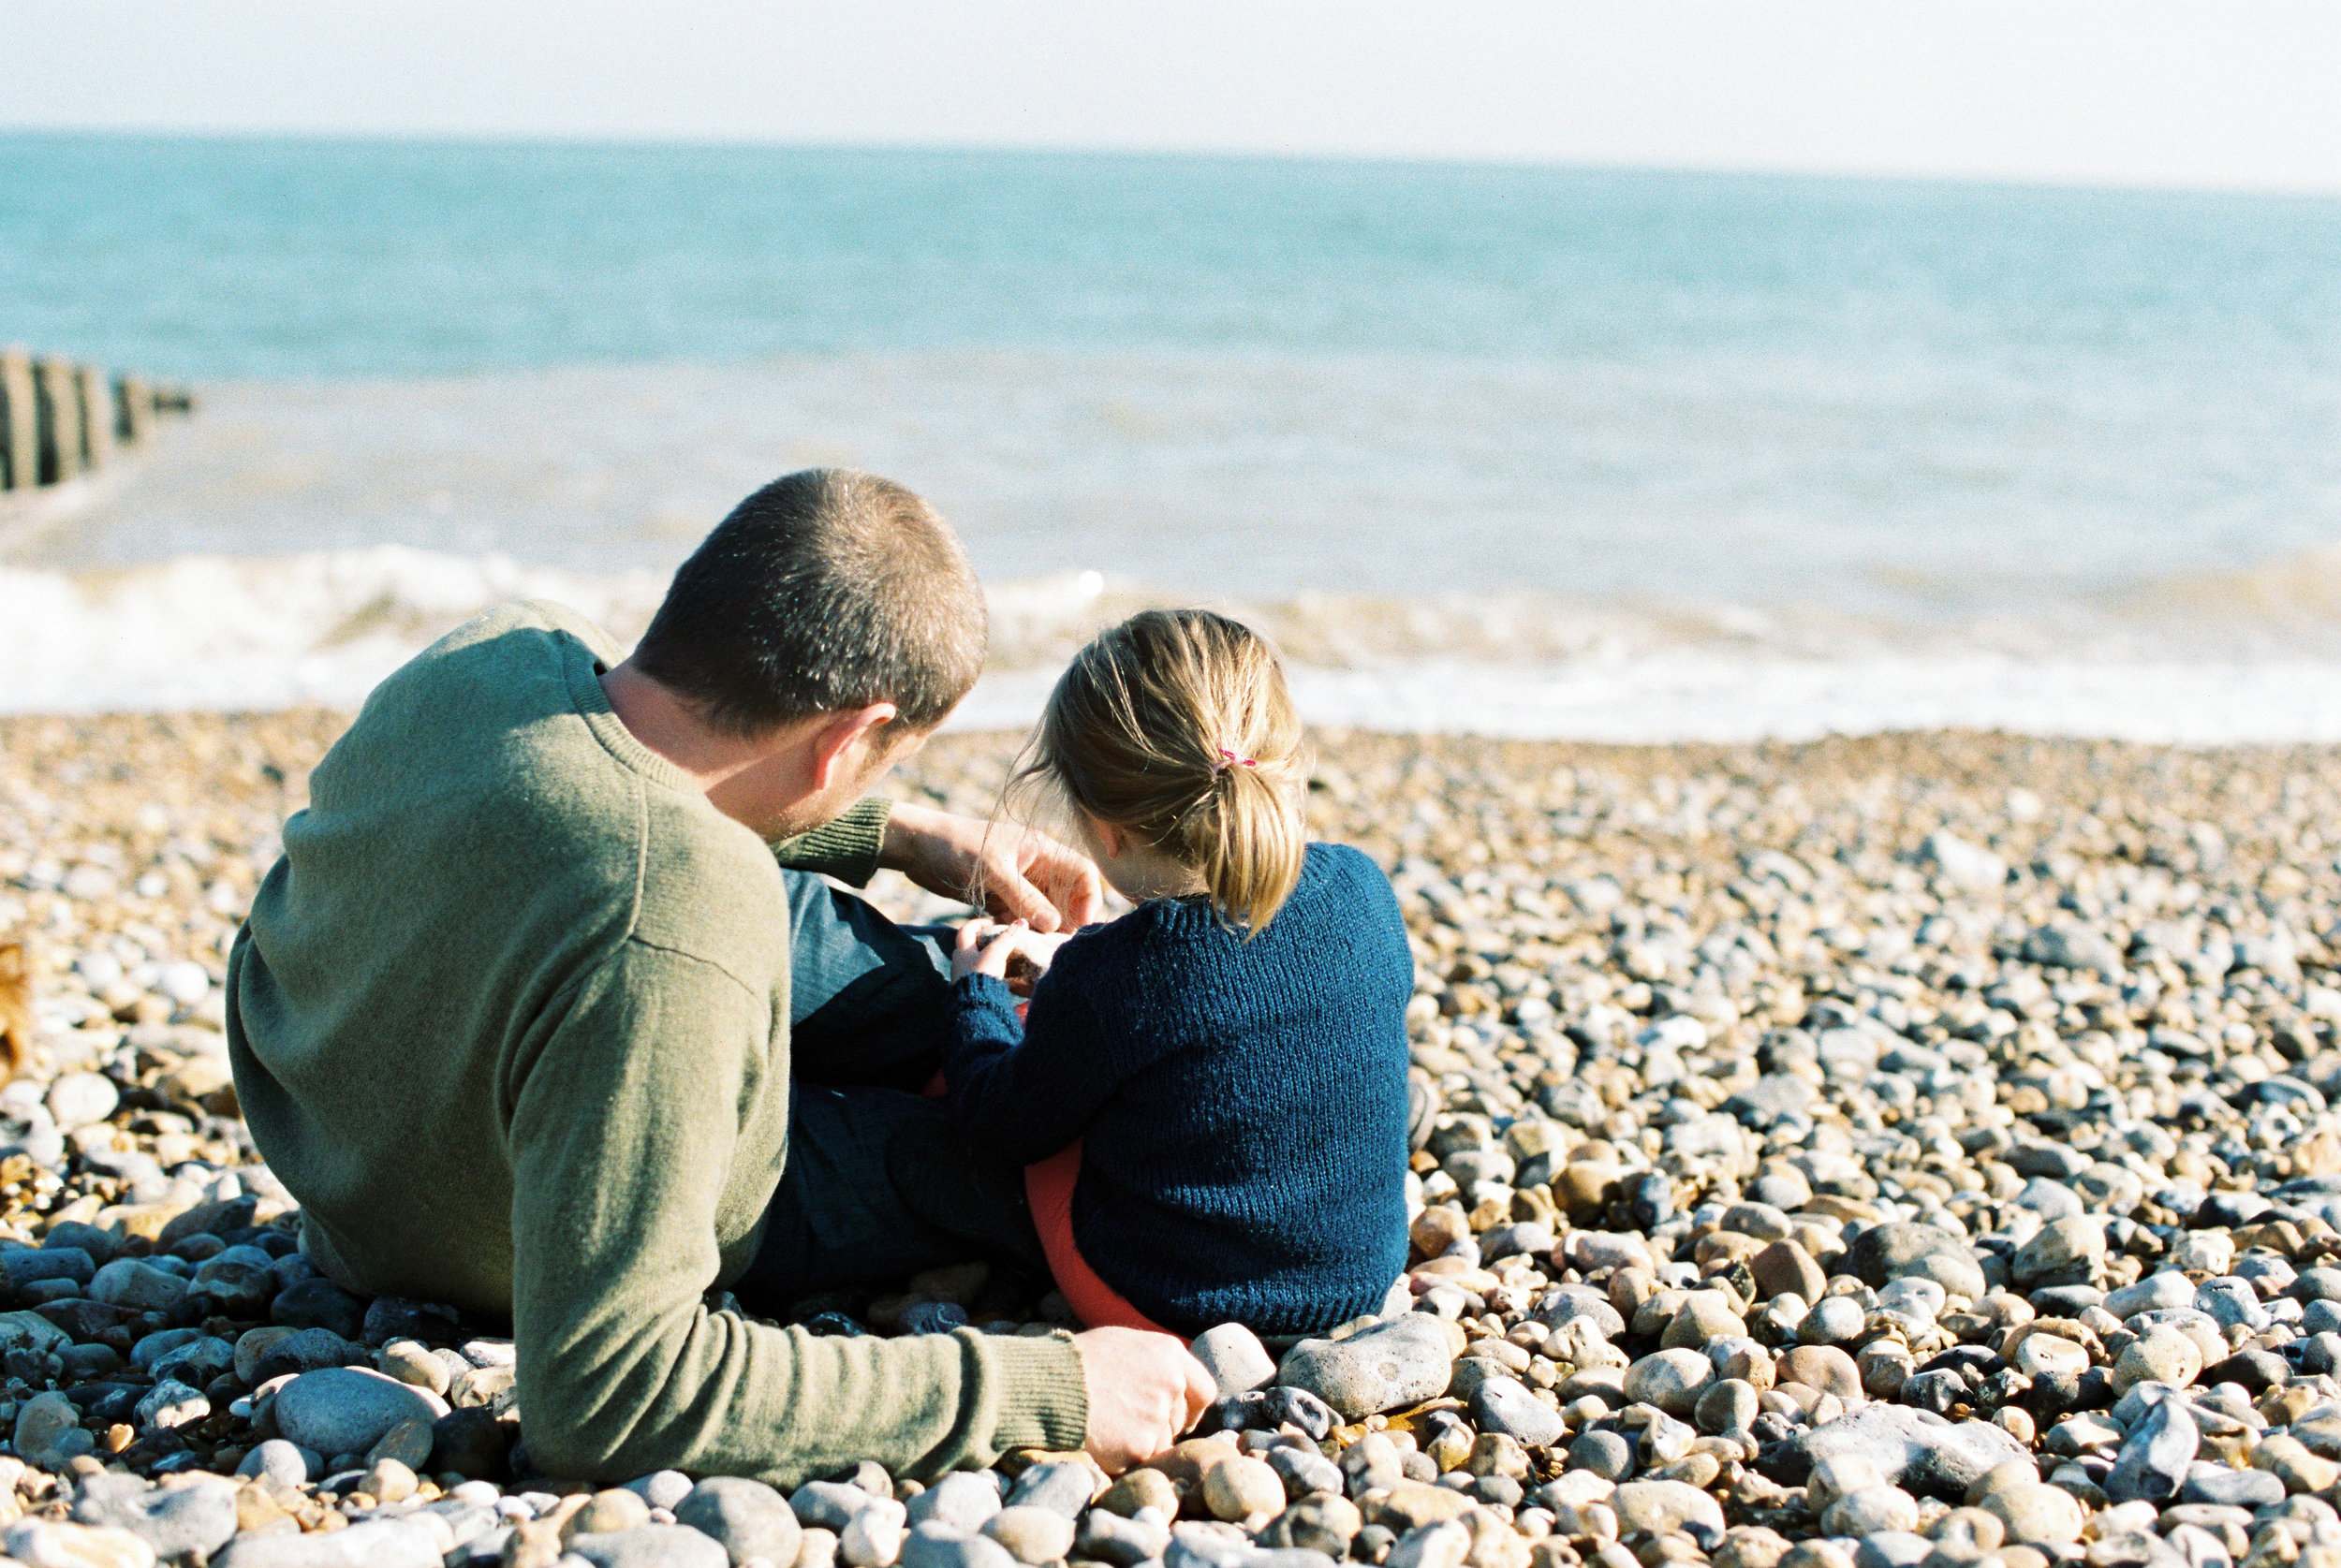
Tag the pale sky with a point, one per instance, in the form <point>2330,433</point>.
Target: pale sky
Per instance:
<point>2205,93</point>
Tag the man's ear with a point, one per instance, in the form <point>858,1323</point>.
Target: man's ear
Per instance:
<point>837,744</point>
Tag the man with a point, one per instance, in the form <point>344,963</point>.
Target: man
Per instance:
<point>516,1015</point>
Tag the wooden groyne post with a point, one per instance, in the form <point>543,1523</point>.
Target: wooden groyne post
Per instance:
<point>59,421</point>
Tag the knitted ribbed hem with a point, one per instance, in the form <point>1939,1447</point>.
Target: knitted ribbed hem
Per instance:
<point>1043,1396</point>
<point>846,849</point>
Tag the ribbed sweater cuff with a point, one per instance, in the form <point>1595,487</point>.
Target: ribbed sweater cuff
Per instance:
<point>1044,1398</point>
<point>846,849</point>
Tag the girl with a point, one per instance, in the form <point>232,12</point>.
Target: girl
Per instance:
<point>1209,1094</point>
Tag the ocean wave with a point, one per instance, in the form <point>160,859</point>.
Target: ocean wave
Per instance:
<point>241,633</point>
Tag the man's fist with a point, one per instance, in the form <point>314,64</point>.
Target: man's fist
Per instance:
<point>1145,1391</point>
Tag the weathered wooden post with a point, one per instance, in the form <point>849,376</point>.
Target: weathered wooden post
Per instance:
<point>53,419</point>
<point>94,400</point>
<point>134,409</point>
<point>20,442</point>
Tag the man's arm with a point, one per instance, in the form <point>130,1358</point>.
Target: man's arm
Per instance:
<point>623,1125</point>
<point>849,849</point>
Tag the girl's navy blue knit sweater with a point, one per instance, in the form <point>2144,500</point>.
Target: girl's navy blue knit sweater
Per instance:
<point>1242,1104</point>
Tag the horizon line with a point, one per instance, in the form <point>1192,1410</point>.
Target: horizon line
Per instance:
<point>708,141</point>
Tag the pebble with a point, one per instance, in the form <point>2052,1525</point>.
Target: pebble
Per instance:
<point>1063,1485</point>
<point>1383,1367</point>
<point>1858,1072</point>
<point>936,1545</point>
<point>873,1538</point>
<point>2036,1513</point>
<point>744,1516</point>
<point>649,1546</point>
<point>347,1409</point>
<point>1041,1536</point>
<point>1235,1358</point>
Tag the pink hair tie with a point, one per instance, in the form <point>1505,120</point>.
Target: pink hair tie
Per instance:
<point>1233,761</point>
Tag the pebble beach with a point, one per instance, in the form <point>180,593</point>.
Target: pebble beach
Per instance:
<point>1897,1153</point>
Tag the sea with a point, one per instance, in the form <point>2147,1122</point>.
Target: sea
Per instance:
<point>1617,455</point>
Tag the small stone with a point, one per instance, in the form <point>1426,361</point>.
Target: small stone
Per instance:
<point>1705,1315</point>
<point>138,1285</point>
<point>1322,1521</point>
<point>1496,1454</point>
<point>281,1463</point>
<point>304,1350</point>
<point>469,1443</point>
<point>81,1099</point>
<point>1607,1454</point>
<point>169,1404</point>
<point>1671,1379</point>
<point>45,1544</point>
<point>2290,1461</point>
<point>1504,1405</point>
<point>1243,1491</point>
<point>936,1545</point>
<point>746,1518</point>
<point>1871,1509</point>
<point>962,1500</point>
<point>1785,1265</point>
<point>1833,1320</point>
<point>1303,1471</point>
<point>319,1304</point>
<point>2155,1456</point>
<point>608,1512</point>
<point>347,1409</point>
<point>409,1444</point>
<point>389,1481</point>
<point>2036,1513</point>
<point>2218,1485</point>
<point>410,1362</point>
<point>1064,1485</point>
<point>828,1505</point>
<point>873,1538</point>
<point>1892,1548</point>
<point>1443,1544</point>
<point>2161,1355</point>
<point>185,1521</point>
<point>240,1287</point>
<point>1661,1508</point>
<point>1732,1405</point>
<point>253,1344</point>
<point>1917,1452</point>
<point>1235,1358</point>
<point>2157,1292</point>
<point>1036,1535</point>
<point>1392,1363</point>
<point>1825,1368</point>
<point>48,1432</point>
<point>1152,1488</point>
<point>650,1545</point>
<point>2046,1355</point>
<point>2064,1251</point>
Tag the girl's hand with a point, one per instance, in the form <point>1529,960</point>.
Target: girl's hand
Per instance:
<point>984,947</point>
<point>1014,953</point>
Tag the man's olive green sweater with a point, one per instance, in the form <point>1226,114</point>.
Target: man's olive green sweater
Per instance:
<point>510,1018</point>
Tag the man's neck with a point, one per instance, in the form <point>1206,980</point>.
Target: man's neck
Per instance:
<point>670,726</point>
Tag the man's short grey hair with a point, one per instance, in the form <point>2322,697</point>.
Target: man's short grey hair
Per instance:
<point>829,589</point>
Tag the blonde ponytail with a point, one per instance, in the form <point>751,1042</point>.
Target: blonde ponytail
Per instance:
<point>1176,725</point>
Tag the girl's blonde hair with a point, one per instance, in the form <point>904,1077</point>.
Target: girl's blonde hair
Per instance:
<point>1176,725</point>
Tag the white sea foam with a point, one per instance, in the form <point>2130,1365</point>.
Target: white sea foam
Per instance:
<point>209,632</point>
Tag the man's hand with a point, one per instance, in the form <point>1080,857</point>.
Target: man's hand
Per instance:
<point>1022,875</point>
<point>1145,1390</point>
